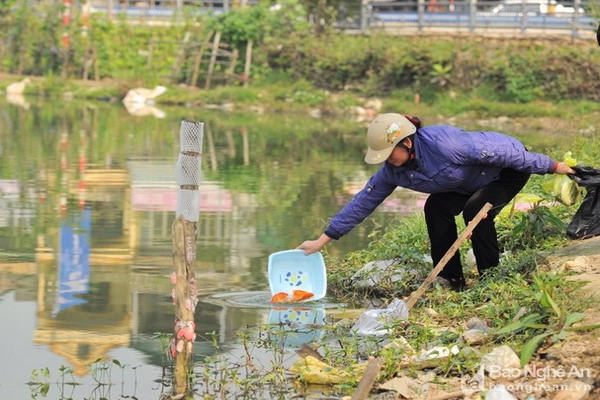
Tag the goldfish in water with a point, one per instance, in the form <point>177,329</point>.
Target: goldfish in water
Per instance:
<point>300,295</point>
<point>281,297</point>
<point>297,295</point>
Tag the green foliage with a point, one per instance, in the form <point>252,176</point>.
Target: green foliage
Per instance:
<point>408,240</point>
<point>501,70</point>
<point>532,228</point>
<point>261,22</point>
<point>520,81</point>
<point>546,319</point>
<point>440,75</point>
<point>240,26</point>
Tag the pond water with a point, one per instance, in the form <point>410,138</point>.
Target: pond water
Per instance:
<point>88,198</point>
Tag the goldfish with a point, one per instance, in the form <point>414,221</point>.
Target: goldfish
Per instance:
<point>281,297</point>
<point>297,295</point>
<point>300,295</point>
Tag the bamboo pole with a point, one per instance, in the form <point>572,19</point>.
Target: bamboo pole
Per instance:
<point>180,58</point>
<point>198,60</point>
<point>184,235</point>
<point>213,59</point>
<point>368,379</point>
<point>184,256</point>
<point>466,233</point>
<point>248,63</point>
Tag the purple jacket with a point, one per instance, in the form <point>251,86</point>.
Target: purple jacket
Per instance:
<point>447,159</point>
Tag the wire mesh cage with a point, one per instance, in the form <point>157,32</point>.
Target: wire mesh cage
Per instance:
<point>189,170</point>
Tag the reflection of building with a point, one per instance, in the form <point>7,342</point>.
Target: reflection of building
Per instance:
<point>84,301</point>
<point>103,264</point>
<point>226,242</point>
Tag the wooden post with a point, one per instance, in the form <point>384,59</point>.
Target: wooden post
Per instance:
<point>180,58</point>
<point>184,257</point>
<point>466,233</point>
<point>213,59</point>
<point>150,51</point>
<point>248,62</point>
<point>184,235</point>
<point>198,61</point>
<point>368,379</point>
<point>232,60</point>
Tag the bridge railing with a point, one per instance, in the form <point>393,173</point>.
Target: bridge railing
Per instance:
<point>572,18</point>
<point>520,16</point>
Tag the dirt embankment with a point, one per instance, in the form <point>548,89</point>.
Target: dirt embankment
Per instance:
<point>582,260</point>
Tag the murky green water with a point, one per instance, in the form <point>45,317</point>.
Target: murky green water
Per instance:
<point>88,198</point>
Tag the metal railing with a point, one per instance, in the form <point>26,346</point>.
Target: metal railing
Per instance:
<point>574,19</point>
<point>519,16</point>
<point>163,9</point>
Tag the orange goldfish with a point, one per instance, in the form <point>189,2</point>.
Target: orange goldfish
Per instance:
<point>281,297</point>
<point>300,295</point>
<point>297,295</point>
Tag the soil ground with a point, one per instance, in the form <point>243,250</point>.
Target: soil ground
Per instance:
<point>582,349</point>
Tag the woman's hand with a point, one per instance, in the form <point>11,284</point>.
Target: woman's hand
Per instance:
<point>312,246</point>
<point>563,168</point>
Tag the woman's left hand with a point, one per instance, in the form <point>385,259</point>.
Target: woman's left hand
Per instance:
<point>563,168</point>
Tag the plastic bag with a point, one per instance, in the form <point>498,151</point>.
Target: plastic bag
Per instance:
<point>378,322</point>
<point>586,221</point>
<point>499,392</point>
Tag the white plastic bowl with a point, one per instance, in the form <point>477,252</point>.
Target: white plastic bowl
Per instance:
<point>291,270</point>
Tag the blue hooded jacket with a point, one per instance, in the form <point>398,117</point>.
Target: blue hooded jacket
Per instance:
<point>447,159</point>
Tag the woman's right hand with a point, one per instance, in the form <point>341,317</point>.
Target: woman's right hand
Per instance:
<point>312,246</point>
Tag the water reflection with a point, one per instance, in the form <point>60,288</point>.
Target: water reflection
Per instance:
<point>301,324</point>
<point>88,197</point>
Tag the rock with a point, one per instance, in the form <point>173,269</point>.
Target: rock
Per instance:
<point>579,264</point>
<point>401,346</point>
<point>574,390</point>
<point>405,386</point>
<point>377,272</point>
<point>17,87</point>
<point>500,362</point>
<point>431,312</point>
<point>477,324</point>
<point>439,352</point>
<point>143,96</point>
<point>587,247</point>
<point>474,337</point>
<point>470,259</point>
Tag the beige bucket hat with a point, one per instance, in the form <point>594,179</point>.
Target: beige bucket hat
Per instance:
<point>384,133</point>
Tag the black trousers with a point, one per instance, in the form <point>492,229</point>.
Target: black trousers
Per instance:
<point>442,208</point>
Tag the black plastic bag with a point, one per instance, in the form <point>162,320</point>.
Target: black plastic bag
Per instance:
<point>586,221</point>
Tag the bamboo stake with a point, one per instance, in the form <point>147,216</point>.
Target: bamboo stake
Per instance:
<point>180,58</point>
<point>184,256</point>
<point>368,379</point>
<point>416,295</point>
<point>198,61</point>
<point>213,59</point>
<point>248,62</point>
<point>184,235</point>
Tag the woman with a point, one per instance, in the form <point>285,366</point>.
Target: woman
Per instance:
<point>460,170</point>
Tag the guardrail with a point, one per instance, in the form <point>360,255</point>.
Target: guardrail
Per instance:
<point>162,9</point>
<point>525,16</point>
<point>518,16</point>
